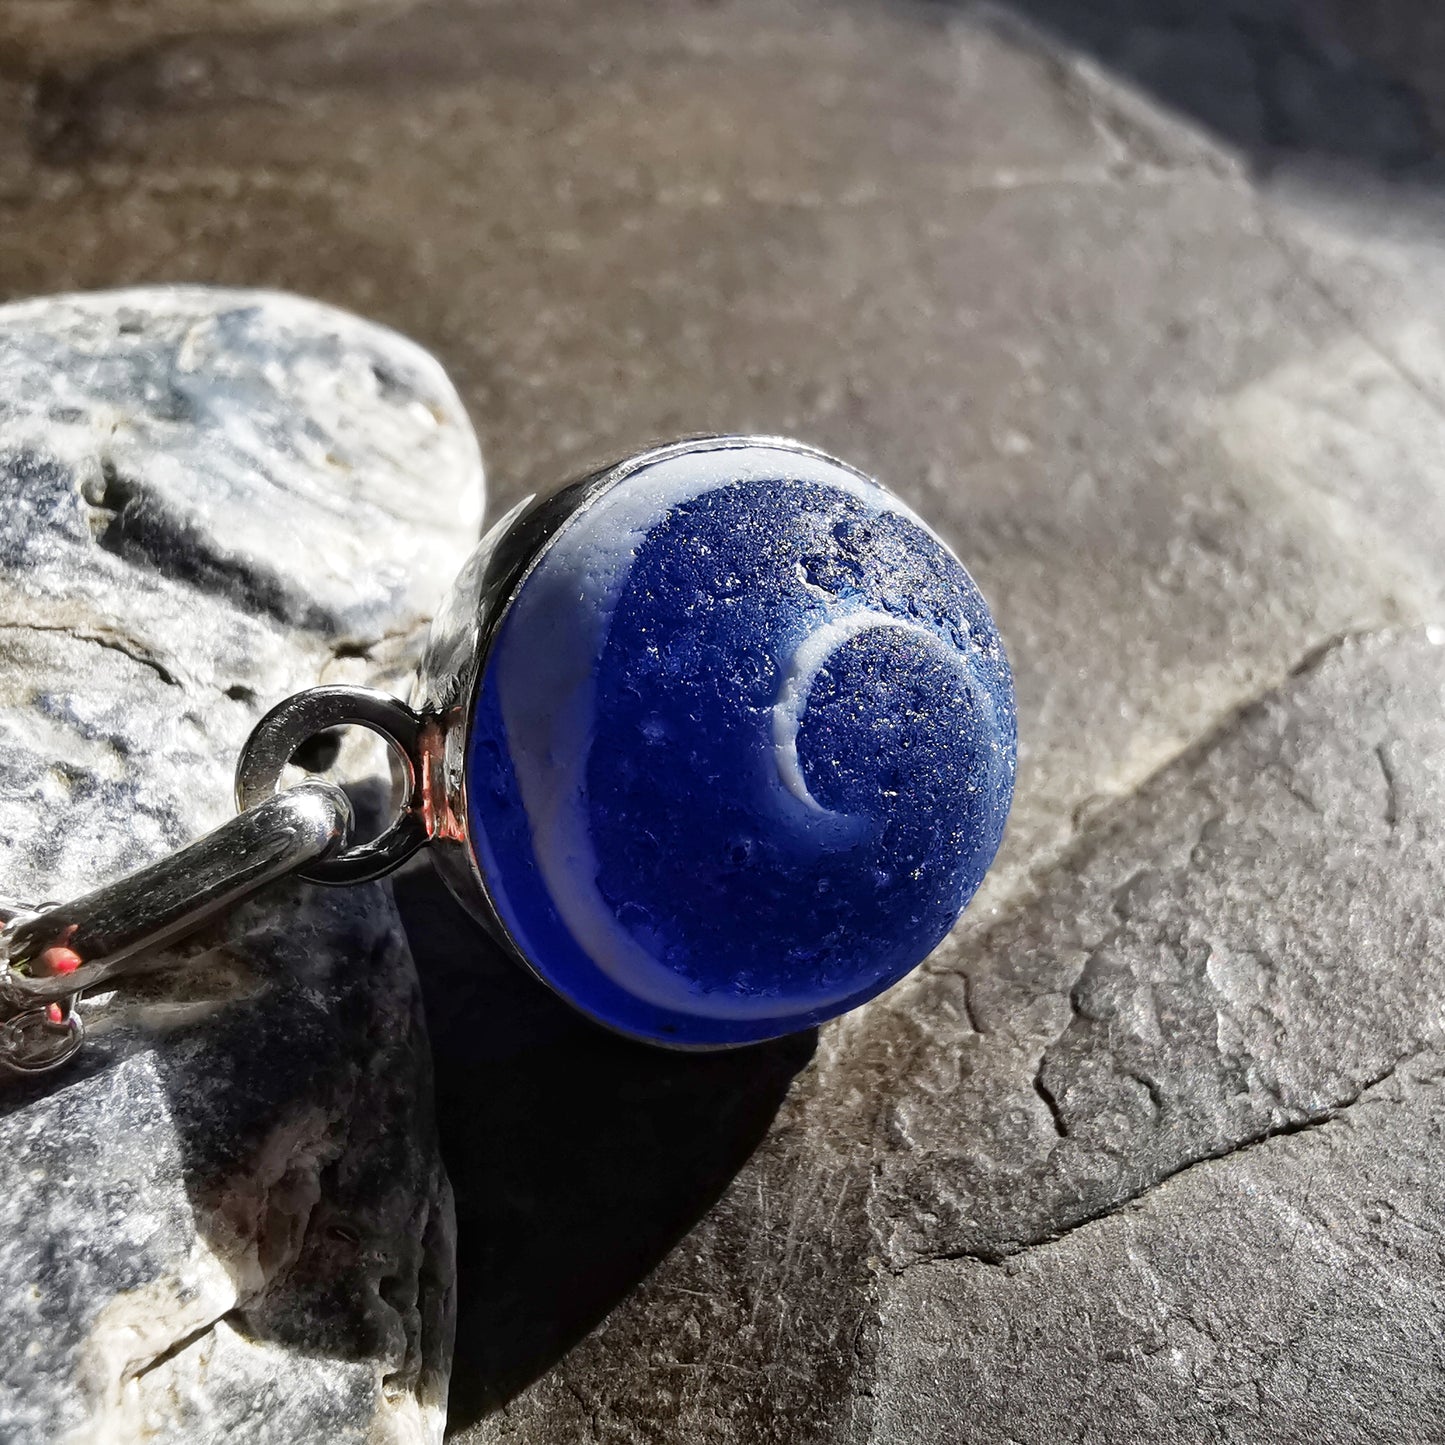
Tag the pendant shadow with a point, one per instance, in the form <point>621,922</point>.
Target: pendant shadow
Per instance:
<point>578,1159</point>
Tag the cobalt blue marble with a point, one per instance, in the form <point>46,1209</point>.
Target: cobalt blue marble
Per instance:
<point>743,747</point>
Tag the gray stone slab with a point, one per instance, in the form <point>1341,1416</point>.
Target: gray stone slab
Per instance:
<point>1290,1292</point>
<point>229,1217</point>
<point>1247,945</point>
<point>1181,427</point>
<point>1242,950</point>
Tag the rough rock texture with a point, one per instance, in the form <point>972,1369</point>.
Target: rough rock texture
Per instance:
<point>228,1219</point>
<point>1149,1325</point>
<point>1242,950</point>
<point>1140,299</point>
<point>50,36</point>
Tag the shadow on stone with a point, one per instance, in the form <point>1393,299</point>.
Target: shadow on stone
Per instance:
<point>578,1159</point>
<point>1280,80</point>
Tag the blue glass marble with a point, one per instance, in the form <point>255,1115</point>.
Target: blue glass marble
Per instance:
<point>743,746</point>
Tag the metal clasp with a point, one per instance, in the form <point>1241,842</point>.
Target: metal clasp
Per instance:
<point>50,955</point>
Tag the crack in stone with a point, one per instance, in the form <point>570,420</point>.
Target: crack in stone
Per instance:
<point>1152,1089</point>
<point>273,1270</point>
<point>589,1408</point>
<point>1314,1119</point>
<point>1392,794</point>
<point>968,1005</point>
<point>179,1346</point>
<point>1051,1103</point>
<point>112,641</point>
<point>399,641</point>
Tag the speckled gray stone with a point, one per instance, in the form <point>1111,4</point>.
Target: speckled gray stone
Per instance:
<point>228,1219</point>
<point>1150,1325</point>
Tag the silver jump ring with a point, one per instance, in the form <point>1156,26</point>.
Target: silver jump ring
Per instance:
<point>34,1043</point>
<point>34,1040</point>
<point>290,724</point>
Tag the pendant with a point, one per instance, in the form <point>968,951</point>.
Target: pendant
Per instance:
<point>717,742</point>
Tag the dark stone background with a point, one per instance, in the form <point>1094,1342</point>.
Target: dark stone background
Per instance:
<point>1143,303</point>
